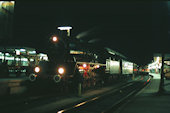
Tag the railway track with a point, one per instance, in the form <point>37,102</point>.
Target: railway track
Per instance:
<point>108,102</point>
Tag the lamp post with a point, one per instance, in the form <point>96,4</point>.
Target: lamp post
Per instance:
<point>68,28</point>
<point>161,86</point>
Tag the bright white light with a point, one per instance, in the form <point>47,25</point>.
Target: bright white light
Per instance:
<point>31,60</point>
<point>37,69</point>
<point>65,28</point>
<point>45,58</point>
<point>12,58</point>
<point>13,2</point>
<point>157,59</point>
<point>97,66</point>
<point>61,70</point>
<point>17,52</point>
<point>7,58</point>
<point>54,39</point>
<point>22,50</point>
<point>84,65</point>
<point>32,52</point>
<point>80,70</point>
<point>41,54</point>
<point>1,3</point>
<point>155,64</point>
<point>60,111</point>
<point>24,59</point>
<point>7,54</point>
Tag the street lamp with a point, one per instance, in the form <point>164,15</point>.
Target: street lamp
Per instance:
<point>68,28</point>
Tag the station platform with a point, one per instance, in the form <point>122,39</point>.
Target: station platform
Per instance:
<point>66,101</point>
<point>12,85</point>
<point>148,100</point>
<point>59,102</point>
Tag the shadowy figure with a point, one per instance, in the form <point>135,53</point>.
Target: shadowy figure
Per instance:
<point>4,70</point>
<point>77,79</point>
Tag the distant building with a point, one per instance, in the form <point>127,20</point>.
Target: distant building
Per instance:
<point>156,65</point>
<point>21,56</point>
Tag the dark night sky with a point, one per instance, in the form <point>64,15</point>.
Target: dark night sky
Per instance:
<point>135,29</point>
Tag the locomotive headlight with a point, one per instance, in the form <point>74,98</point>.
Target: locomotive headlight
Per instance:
<point>61,70</point>
<point>37,69</point>
<point>84,65</point>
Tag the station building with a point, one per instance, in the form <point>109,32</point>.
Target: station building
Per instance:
<point>21,57</point>
<point>156,64</point>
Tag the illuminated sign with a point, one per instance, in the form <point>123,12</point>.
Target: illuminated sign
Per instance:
<point>65,28</point>
<point>76,52</point>
<point>127,67</point>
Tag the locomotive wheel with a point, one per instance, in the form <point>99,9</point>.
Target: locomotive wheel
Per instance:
<point>32,77</point>
<point>57,78</point>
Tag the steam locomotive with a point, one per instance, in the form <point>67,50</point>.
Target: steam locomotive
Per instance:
<point>83,66</point>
